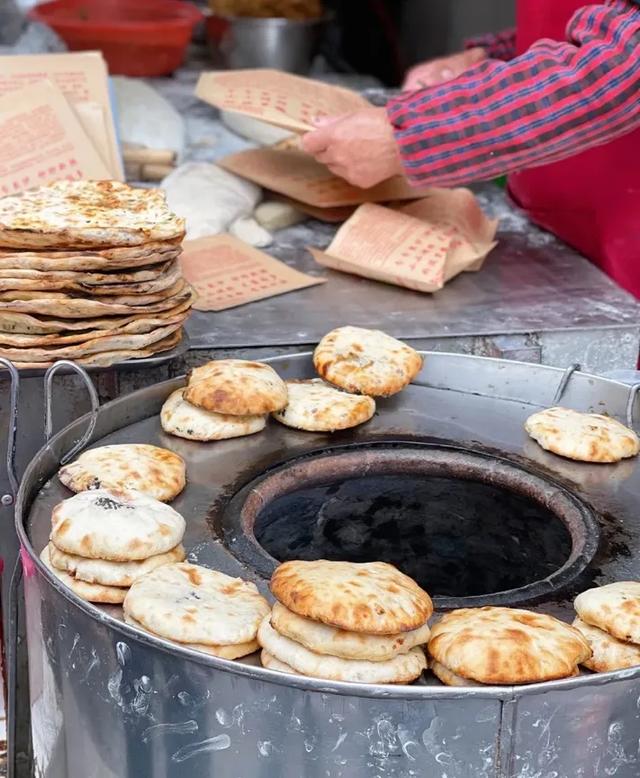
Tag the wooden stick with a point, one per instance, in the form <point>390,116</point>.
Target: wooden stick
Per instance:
<point>144,156</point>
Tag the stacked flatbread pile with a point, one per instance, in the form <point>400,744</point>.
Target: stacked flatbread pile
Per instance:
<point>585,437</point>
<point>226,398</point>
<point>472,647</point>
<point>103,540</point>
<point>197,608</point>
<point>609,618</point>
<point>341,621</point>
<point>117,527</point>
<point>89,271</point>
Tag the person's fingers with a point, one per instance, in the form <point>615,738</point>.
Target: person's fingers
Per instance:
<point>475,56</point>
<point>419,78</point>
<point>326,157</point>
<point>316,141</point>
<point>339,170</point>
<point>325,121</point>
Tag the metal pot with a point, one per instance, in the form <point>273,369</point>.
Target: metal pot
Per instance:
<point>109,700</point>
<point>247,42</point>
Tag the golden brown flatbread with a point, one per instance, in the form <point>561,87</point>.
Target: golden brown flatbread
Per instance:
<point>139,467</point>
<point>77,214</point>
<point>236,387</point>
<point>507,646</point>
<point>614,608</point>
<point>373,597</point>
<point>586,437</point>
<point>316,406</point>
<point>366,361</point>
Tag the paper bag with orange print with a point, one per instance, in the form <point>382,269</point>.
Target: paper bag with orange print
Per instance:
<point>82,77</point>
<point>281,99</point>
<point>225,272</point>
<point>420,245</point>
<point>43,141</point>
<point>291,172</point>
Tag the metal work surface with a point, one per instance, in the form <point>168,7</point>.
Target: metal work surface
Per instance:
<point>535,300</point>
<point>109,700</point>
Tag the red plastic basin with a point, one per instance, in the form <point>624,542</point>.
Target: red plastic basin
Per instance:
<point>136,37</point>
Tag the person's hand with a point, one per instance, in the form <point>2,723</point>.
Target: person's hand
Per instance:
<point>359,147</point>
<point>439,71</point>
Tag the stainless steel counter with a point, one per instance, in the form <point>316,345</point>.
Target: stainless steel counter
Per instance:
<point>535,299</point>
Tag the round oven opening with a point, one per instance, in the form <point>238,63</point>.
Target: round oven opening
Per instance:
<point>469,528</point>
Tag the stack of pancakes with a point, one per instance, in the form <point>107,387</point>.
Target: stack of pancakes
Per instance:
<point>342,621</point>
<point>609,618</point>
<point>89,271</point>
<point>226,398</point>
<point>103,540</point>
<point>198,608</point>
<point>491,645</point>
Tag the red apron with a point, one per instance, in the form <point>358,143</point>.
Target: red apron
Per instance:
<point>591,200</point>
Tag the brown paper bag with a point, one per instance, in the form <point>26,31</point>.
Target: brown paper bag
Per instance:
<point>226,272</point>
<point>420,246</point>
<point>281,99</point>
<point>43,141</point>
<point>297,175</point>
<point>82,77</point>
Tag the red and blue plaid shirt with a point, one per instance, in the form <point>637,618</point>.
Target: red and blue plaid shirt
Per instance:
<point>555,100</point>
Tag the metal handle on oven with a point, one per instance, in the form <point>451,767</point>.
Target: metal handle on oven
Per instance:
<point>9,499</point>
<point>564,382</point>
<point>633,393</point>
<point>48,401</point>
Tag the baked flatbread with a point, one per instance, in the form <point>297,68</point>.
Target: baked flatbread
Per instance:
<point>235,651</point>
<point>236,387</point>
<point>609,654</point>
<point>403,668</point>
<point>76,214</point>
<point>23,323</point>
<point>115,526</point>
<point>100,571</point>
<point>136,327</point>
<point>507,646</point>
<point>586,437</point>
<point>322,639</point>
<point>271,663</point>
<point>133,276</point>
<point>89,347</point>
<point>92,259</point>
<point>48,282</point>
<point>373,597</point>
<point>316,406</point>
<point>192,604</point>
<point>151,470</point>
<point>108,358</point>
<point>58,304</point>
<point>449,678</point>
<point>614,608</point>
<point>180,418</point>
<point>111,595</point>
<point>366,361</point>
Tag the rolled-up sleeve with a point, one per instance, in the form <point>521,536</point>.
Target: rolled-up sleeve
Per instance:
<point>557,99</point>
